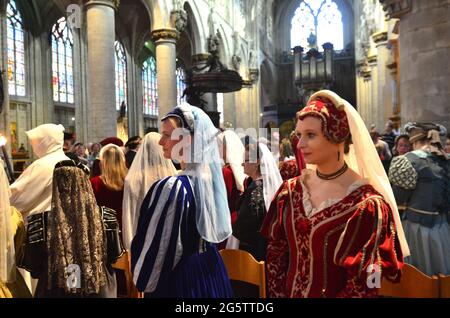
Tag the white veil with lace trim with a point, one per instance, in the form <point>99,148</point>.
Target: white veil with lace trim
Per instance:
<point>363,159</point>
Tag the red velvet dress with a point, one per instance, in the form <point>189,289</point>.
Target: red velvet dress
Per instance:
<point>232,191</point>
<point>232,196</point>
<point>328,253</point>
<point>109,198</point>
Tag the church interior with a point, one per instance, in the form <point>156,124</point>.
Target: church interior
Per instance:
<point>114,68</point>
<point>76,63</point>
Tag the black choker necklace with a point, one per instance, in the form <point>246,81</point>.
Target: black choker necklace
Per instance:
<point>333,175</point>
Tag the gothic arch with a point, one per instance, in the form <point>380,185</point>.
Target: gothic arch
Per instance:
<point>225,55</point>
<point>268,84</point>
<point>195,28</point>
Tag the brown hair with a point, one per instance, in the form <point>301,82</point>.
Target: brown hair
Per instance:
<point>114,170</point>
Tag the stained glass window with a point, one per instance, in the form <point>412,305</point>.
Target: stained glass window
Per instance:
<point>150,87</point>
<point>180,85</point>
<point>121,75</point>
<point>62,62</point>
<point>16,51</point>
<point>315,23</point>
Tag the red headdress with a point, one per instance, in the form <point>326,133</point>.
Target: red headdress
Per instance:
<point>334,119</point>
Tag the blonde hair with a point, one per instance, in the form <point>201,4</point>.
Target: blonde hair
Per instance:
<point>113,168</point>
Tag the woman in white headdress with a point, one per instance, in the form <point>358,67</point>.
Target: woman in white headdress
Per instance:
<point>182,218</point>
<point>232,153</point>
<point>262,184</point>
<point>334,231</point>
<point>149,166</point>
<point>12,236</point>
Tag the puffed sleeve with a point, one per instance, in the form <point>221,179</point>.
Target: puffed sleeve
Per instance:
<point>369,241</point>
<point>403,178</point>
<point>277,255</point>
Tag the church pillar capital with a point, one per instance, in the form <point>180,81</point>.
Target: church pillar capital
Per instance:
<point>166,34</point>
<point>110,3</point>
<point>380,38</point>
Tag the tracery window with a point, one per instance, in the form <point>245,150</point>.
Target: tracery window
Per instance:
<point>150,87</point>
<point>121,74</point>
<point>16,51</point>
<point>316,22</point>
<point>180,84</point>
<point>62,62</point>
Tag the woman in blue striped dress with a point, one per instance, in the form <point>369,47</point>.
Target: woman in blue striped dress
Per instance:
<point>173,253</point>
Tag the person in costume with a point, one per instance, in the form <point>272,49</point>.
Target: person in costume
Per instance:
<point>76,252</point>
<point>31,193</point>
<point>12,236</point>
<point>182,218</point>
<point>421,183</point>
<point>232,153</point>
<point>148,166</point>
<point>108,187</point>
<point>335,230</point>
<point>262,184</point>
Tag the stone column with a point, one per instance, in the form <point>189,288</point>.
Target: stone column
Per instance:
<point>383,86</point>
<point>424,41</point>
<point>101,76</point>
<point>374,109</point>
<point>165,42</point>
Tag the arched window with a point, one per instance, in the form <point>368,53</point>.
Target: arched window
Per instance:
<point>62,62</point>
<point>316,22</point>
<point>150,87</point>
<point>16,51</point>
<point>180,85</point>
<point>121,75</point>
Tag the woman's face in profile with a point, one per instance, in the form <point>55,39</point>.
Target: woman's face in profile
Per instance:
<point>316,148</point>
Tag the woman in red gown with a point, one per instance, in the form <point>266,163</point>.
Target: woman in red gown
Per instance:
<point>332,233</point>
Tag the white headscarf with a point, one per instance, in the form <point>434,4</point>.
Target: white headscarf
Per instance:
<point>271,174</point>
<point>205,170</point>
<point>363,159</point>
<point>7,253</point>
<point>148,166</point>
<point>234,156</point>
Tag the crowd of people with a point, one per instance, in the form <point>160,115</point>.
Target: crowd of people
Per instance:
<point>340,203</point>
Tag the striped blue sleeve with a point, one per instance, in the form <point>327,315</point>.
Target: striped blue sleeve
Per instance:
<point>156,247</point>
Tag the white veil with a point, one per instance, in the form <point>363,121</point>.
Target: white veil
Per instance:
<point>7,253</point>
<point>271,175</point>
<point>363,159</point>
<point>235,155</point>
<point>149,166</point>
<point>205,169</point>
